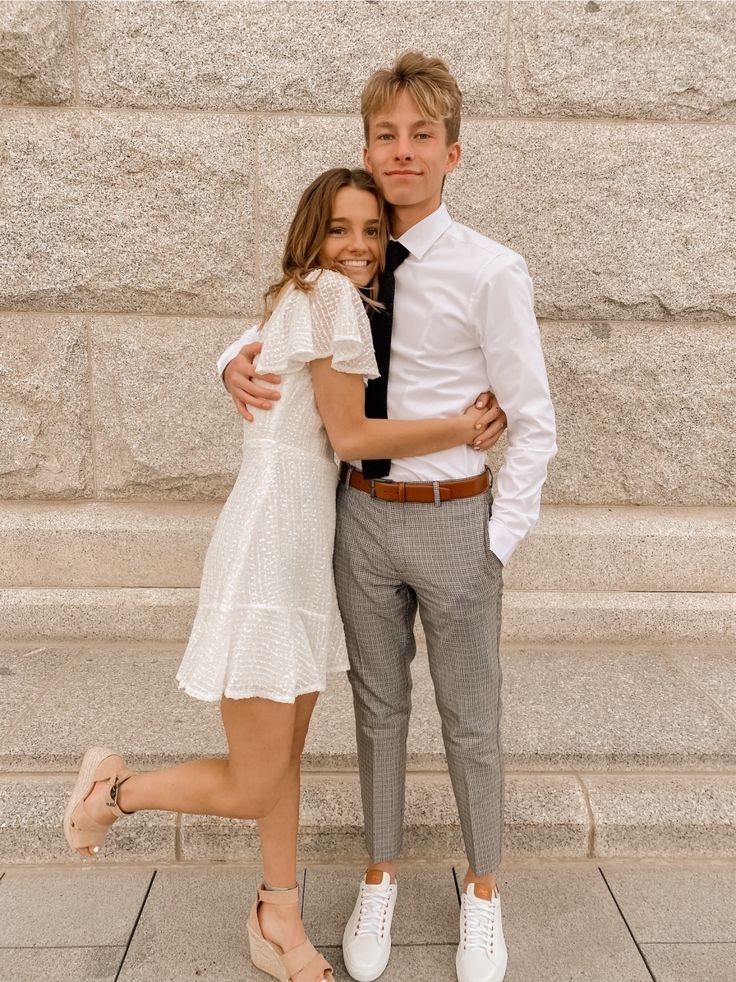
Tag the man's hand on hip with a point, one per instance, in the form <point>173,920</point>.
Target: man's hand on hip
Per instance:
<point>242,381</point>
<point>491,424</point>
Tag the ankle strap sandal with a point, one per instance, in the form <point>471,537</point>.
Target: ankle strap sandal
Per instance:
<point>270,958</point>
<point>82,830</point>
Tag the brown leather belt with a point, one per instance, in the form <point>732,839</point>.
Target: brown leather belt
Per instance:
<point>419,492</point>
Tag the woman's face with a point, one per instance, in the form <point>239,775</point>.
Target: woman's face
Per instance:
<point>352,242</point>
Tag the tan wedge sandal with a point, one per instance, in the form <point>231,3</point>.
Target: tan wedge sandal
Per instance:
<point>98,764</point>
<point>279,964</point>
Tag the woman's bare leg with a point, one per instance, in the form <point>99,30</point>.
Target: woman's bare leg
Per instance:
<point>278,831</point>
<point>260,736</point>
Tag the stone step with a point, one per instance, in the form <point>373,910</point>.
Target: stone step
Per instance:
<point>591,708</point>
<point>166,614</point>
<point>584,548</point>
<point>590,816</point>
<point>610,752</point>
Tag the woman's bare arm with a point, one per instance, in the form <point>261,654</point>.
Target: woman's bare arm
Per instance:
<point>341,403</point>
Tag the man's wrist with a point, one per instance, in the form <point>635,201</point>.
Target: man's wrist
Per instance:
<point>224,360</point>
<point>248,337</point>
<point>502,542</point>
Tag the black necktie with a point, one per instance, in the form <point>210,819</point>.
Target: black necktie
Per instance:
<point>376,393</point>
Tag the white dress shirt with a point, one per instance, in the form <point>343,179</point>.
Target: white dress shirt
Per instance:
<point>464,322</point>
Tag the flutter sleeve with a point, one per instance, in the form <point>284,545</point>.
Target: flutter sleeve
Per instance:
<point>330,320</point>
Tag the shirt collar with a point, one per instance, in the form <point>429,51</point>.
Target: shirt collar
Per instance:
<point>422,236</point>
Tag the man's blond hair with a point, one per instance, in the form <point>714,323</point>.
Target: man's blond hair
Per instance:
<point>427,80</point>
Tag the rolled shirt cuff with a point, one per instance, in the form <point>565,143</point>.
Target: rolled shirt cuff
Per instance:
<point>227,356</point>
<point>502,541</point>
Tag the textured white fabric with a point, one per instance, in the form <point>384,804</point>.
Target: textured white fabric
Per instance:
<point>267,623</point>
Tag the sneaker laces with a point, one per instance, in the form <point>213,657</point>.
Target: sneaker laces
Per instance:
<point>478,920</point>
<point>373,906</point>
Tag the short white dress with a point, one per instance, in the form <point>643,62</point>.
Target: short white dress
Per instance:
<point>268,623</point>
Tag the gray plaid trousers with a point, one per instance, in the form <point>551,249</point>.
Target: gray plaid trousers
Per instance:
<point>390,560</point>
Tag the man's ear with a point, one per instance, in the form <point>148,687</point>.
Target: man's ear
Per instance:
<point>367,160</point>
<point>454,153</point>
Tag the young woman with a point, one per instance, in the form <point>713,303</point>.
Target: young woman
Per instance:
<point>267,629</point>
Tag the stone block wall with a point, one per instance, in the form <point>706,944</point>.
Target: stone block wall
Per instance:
<point>151,155</point>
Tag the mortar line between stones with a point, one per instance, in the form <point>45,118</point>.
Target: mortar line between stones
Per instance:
<point>85,645</point>
<point>628,928</point>
<point>135,925</point>
<point>669,942</point>
<point>257,209</point>
<point>576,594</point>
<point>439,775</point>
<point>177,838</point>
<point>139,314</point>
<point>637,863</point>
<point>91,392</point>
<point>590,843</point>
<point>197,507</point>
<point>507,67</point>
<point>75,52</point>
<point>307,114</point>
<point>458,891</point>
<point>188,593</point>
<point>60,947</point>
<point>644,323</point>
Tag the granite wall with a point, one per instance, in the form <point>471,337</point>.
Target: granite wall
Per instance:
<point>151,155</point>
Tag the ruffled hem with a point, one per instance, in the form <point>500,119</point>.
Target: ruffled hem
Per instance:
<point>255,693</point>
<point>275,653</point>
<point>345,352</point>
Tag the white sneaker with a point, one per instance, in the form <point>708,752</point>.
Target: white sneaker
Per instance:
<point>481,954</point>
<point>366,942</point>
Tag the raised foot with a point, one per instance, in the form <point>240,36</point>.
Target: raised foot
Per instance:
<point>93,805</point>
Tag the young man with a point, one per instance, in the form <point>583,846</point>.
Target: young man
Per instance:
<point>415,533</point>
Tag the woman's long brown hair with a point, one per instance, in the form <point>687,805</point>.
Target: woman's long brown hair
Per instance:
<point>310,226</point>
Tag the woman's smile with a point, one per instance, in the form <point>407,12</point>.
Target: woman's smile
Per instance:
<point>352,242</point>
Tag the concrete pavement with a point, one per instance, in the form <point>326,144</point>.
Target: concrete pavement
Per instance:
<point>564,922</point>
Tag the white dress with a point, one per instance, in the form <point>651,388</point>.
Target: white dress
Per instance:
<point>268,624</point>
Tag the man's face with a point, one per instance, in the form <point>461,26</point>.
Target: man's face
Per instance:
<point>408,155</point>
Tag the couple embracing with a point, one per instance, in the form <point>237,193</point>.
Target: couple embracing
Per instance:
<point>379,345</point>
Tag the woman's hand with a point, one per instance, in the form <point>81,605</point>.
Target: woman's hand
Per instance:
<point>467,426</point>
<point>482,423</point>
<point>490,424</point>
